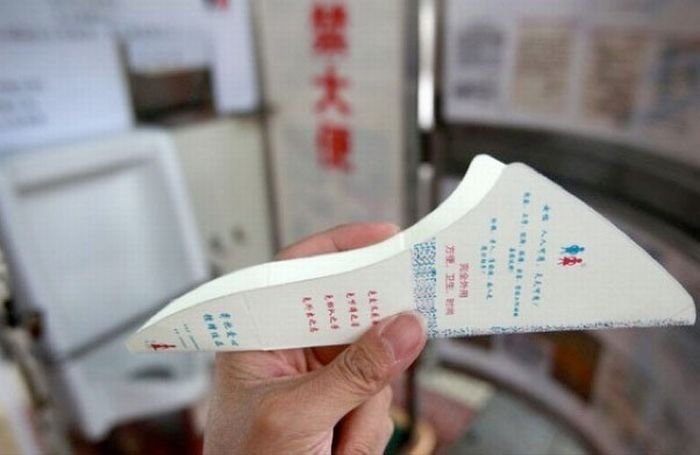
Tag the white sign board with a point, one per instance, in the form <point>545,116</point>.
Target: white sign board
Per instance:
<point>219,32</point>
<point>622,70</point>
<point>56,87</point>
<point>164,35</point>
<point>333,78</point>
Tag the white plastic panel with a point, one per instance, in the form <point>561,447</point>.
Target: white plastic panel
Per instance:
<point>110,385</point>
<point>97,234</point>
<point>49,100</point>
<point>224,165</point>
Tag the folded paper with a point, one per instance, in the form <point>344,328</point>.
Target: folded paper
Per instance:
<point>508,251</point>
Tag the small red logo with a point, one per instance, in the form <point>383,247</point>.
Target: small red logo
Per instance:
<point>570,261</point>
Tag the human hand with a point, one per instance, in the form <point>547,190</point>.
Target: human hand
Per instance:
<point>314,400</point>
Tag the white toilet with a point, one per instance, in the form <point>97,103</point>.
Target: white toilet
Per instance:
<point>98,235</point>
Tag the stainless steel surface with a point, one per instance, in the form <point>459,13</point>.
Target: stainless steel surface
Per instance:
<point>641,179</point>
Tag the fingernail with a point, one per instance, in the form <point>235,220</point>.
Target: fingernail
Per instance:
<point>404,333</point>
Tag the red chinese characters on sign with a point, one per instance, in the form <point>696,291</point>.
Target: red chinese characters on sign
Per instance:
<point>331,84</point>
<point>330,306</point>
<point>310,314</point>
<point>329,23</point>
<point>352,309</point>
<point>333,146</point>
<point>329,43</point>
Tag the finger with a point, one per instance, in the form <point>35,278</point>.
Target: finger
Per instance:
<point>255,365</point>
<point>325,354</point>
<point>368,428</point>
<point>341,238</point>
<point>364,368</point>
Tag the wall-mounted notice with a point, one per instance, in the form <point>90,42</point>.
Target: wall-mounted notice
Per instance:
<point>481,59</point>
<point>163,35</point>
<point>333,78</point>
<point>57,87</point>
<point>625,71</point>
<point>613,75</point>
<point>671,102</point>
<point>542,62</point>
<point>186,33</point>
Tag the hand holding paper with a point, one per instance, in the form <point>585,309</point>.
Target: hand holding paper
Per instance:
<point>297,397</point>
<point>508,251</point>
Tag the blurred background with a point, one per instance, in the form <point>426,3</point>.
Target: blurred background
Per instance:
<point>148,146</point>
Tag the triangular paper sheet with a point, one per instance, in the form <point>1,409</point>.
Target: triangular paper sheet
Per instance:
<point>508,251</point>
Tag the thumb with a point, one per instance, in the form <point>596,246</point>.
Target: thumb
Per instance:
<point>365,367</point>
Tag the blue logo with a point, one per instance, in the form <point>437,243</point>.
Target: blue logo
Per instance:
<point>572,249</point>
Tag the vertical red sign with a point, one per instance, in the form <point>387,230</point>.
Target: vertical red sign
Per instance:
<point>333,142</point>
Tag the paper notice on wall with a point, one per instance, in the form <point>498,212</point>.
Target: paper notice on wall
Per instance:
<point>187,33</point>
<point>167,50</point>
<point>542,66</point>
<point>601,69</point>
<point>163,35</point>
<point>613,76</point>
<point>482,60</point>
<point>57,87</point>
<point>334,84</point>
<point>509,251</point>
<point>671,100</point>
